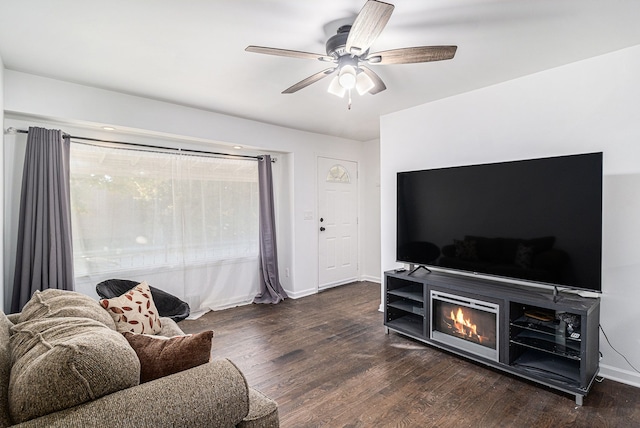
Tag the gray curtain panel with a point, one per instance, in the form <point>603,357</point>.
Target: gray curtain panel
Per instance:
<point>44,256</point>
<point>271,290</point>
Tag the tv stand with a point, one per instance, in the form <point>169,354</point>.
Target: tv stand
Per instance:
<point>538,336</point>
<point>414,269</point>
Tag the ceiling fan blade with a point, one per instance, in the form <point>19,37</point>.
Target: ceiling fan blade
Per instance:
<point>309,80</point>
<point>367,26</point>
<point>379,84</point>
<point>412,55</point>
<point>288,53</point>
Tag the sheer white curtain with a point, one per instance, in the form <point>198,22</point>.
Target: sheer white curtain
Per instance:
<point>186,224</point>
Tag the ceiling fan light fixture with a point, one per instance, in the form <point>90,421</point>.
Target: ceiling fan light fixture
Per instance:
<point>347,77</point>
<point>364,83</point>
<point>335,88</point>
<point>349,49</point>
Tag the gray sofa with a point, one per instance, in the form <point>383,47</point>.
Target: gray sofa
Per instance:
<point>214,394</point>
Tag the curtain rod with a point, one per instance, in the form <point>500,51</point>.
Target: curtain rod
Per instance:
<point>12,130</point>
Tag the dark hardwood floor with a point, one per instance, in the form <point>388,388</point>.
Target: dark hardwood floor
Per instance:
<point>328,363</point>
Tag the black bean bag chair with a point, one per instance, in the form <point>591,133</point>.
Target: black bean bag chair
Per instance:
<point>168,305</point>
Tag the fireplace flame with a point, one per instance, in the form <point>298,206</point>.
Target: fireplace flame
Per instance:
<point>464,326</point>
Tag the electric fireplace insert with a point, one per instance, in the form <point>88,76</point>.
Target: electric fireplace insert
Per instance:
<point>466,324</point>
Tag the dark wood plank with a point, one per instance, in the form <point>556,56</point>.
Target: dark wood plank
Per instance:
<point>327,362</point>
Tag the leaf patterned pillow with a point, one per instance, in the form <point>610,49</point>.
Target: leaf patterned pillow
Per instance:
<point>134,311</point>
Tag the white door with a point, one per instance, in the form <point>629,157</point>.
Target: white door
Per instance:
<point>337,222</point>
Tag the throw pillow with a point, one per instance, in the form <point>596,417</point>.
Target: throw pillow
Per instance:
<point>466,250</point>
<point>161,356</point>
<point>59,363</point>
<point>53,303</point>
<point>134,311</point>
<point>487,249</point>
<point>524,256</point>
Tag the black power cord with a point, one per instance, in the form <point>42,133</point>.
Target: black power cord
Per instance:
<point>625,358</point>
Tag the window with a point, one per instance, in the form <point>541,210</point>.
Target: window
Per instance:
<point>144,210</point>
<point>338,174</point>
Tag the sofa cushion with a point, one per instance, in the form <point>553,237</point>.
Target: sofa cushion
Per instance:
<point>134,311</point>
<point>161,356</point>
<point>211,395</point>
<point>488,249</point>
<point>5,368</point>
<point>169,328</point>
<point>52,303</point>
<point>466,250</point>
<point>62,362</point>
<point>524,256</point>
<point>504,250</point>
<point>263,411</point>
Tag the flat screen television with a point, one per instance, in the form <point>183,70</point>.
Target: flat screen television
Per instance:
<point>537,220</point>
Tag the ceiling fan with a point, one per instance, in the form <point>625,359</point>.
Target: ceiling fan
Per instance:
<point>348,51</point>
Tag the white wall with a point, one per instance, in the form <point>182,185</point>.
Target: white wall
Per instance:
<point>30,98</point>
<point>586,106</point>
<point>2,183</point>
<point>370,211</point>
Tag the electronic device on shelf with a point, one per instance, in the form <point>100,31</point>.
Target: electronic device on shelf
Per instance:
<point>540,315</point>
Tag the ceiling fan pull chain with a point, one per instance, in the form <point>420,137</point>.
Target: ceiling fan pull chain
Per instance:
<point>349,105</point>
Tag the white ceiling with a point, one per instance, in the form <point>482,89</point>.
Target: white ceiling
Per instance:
<point>191,52</point>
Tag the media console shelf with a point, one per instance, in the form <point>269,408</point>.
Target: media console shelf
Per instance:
<point>405,306</point>
<point>552,340</point>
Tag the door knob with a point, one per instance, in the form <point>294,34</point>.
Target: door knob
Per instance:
<point>322,229</point>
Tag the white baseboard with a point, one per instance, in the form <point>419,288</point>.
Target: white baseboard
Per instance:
<point>616,374</point>
<point>370,278</point>
<point>337,283</point>
<point>303,293</point>
<point>310,291</point>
